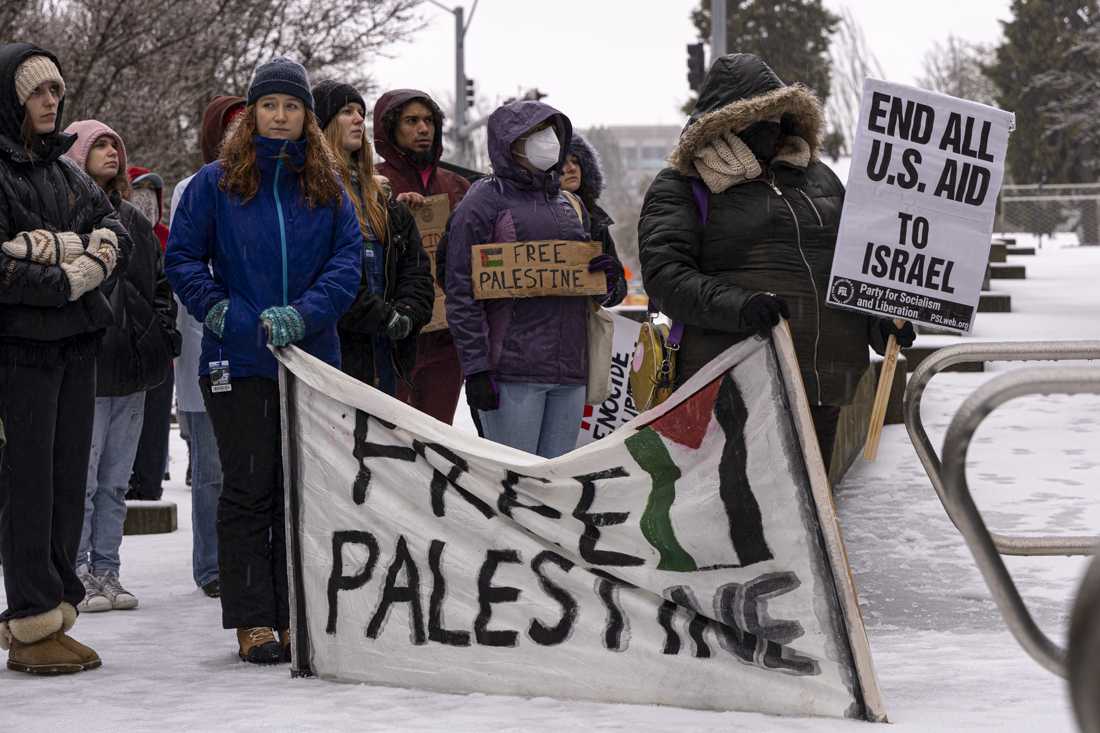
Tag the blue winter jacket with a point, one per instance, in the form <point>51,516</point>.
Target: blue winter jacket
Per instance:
<point>273,250</point>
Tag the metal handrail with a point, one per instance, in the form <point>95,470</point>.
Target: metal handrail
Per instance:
<point>992,351</point>
<point>959,502</point>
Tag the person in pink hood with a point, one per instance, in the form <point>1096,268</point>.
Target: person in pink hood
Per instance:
<point>136,356</point>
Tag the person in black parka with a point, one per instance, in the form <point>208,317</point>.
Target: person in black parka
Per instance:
<point>582,175</point>
<point>766,247</point>
<point>61,247</point>
<point>378,333</point>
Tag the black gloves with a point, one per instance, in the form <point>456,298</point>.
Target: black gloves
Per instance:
<point>610,267</point>
<point>398,326</point>
<point>885,329</point>
<point>762,311</point>
<point>481,392</point>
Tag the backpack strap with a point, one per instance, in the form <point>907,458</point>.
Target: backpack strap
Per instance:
<point>702,199</point>
<point>575,203</point>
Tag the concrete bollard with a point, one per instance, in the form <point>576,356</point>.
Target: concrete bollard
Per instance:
<point>150,517</point>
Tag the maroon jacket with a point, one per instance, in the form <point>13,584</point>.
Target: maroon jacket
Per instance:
<point>403,175</point>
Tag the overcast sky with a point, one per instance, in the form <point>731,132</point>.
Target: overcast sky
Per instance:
<point>623,61</point>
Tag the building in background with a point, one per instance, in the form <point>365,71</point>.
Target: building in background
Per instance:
<point>644,150</point>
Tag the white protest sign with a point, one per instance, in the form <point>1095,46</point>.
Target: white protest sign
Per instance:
<point>618,409</point>
<point>690,558</point>
<point>918,214</point>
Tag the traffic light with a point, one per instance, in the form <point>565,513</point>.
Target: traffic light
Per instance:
<point>470,94</point>
<point>696,68</point>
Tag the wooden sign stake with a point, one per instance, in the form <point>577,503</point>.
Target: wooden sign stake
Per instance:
<point>882,395</point>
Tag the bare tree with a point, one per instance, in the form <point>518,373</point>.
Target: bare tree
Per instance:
<point>148,67</point>
<point>852,62</point>
<point>955,67</point>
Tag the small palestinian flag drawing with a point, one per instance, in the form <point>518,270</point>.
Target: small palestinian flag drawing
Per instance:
<point>492,257</point>
<point>714,420</point>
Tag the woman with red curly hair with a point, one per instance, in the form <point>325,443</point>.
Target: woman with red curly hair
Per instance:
<point>264,240</point>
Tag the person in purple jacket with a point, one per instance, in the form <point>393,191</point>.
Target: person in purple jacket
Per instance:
<point>524,359</point>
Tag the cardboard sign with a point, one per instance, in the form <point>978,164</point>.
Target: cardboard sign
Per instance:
<point>601,420</point>
<point>431,222</point>
<point>918,215</point>
<point>691,558</point>
<point>529,269</point>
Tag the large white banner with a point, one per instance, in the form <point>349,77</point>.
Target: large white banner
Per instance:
<point>686,559</point>
<point>918,215</point>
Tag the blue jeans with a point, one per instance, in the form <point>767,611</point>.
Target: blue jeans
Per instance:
<point>543,419</point>
<point>206,487</point>
<point>116,432</point>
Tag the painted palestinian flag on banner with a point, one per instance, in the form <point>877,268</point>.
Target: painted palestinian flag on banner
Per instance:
<point>690,558</point>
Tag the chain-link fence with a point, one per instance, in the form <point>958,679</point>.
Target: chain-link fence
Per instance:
<point>1046,210</point>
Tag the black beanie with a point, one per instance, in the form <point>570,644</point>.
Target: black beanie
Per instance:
<point>331,96</point>
<point>280,76</point>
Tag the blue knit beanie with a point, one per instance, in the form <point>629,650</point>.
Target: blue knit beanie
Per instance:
<point>280,76</point>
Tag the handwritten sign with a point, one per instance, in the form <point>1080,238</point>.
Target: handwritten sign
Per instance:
<point>529,269</point>
<point>918,215</point>
<point>431,222</point>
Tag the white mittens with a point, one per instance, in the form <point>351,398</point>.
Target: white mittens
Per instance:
<point>94,265</point>
<point>103,245</point>
<point>44,247</point>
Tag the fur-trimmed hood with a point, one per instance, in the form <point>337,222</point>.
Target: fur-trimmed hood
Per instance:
<point>741,89</point>
<point>591,168</point>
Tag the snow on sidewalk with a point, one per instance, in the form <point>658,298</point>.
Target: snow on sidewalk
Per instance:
<point>944,658</point>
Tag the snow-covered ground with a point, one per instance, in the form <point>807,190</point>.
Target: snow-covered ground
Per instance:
<point>944,658</point>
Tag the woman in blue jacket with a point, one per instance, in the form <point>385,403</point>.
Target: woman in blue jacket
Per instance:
<point>265,248</point>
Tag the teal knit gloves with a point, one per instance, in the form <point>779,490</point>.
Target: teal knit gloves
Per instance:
<point>284,325</point>
<point>215,317</point>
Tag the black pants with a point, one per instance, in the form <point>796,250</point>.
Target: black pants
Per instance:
<point>152,455</point>
<point>825,419</point>
<point>47,414</point>
<point>251,526</point>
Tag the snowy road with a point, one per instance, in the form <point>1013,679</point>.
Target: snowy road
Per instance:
<point>944,658</point>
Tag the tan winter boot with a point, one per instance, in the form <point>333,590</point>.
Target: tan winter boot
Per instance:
<point>88,658</point>
<point>34,647</point>
<point>258,645</point>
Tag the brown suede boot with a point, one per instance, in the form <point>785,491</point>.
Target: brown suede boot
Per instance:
<point>46,656</point>
<point>258,645</point>
<point>88,658</point>
<point>35,646</point>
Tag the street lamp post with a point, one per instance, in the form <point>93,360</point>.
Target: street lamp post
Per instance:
<point>460,131</point>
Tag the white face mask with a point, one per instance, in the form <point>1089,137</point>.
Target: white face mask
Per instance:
<point>542,149</point>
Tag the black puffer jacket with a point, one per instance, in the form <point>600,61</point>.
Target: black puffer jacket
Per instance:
<point>600,222</point>
<point>775,233</point>
<point>139,347</point>
<point>38,323</point>
<point>409,289</point>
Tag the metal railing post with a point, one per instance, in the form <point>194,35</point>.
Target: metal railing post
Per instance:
<point>992,351</point>
<point>959,503</point>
